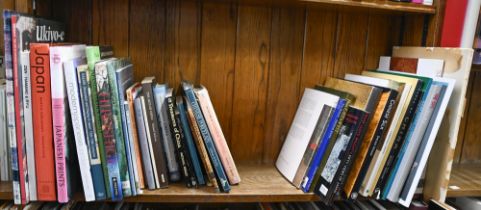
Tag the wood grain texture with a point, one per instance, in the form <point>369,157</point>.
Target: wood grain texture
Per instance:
<point>287,41</point>
<point>24,6</point>
<point>250,83</point>
<point>217,62</point>
<point>413,30</point>
<point>319,42</point>
<point>378,42</point>
<point>465,181</point>
<point>147,38</point>
<point>351,43</point>
<point>471,150</point>
<point>110,25</point>
<point>77,15</point>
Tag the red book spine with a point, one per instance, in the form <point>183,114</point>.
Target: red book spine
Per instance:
<point>453,24</point>
<point>22,161</point>
<point>42,119</point>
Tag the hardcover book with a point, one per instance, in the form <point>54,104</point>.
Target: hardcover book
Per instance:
<point>421,66</point>
<point>300,132</point>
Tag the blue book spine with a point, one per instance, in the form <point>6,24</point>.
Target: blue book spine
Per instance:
<point>321,149</point>
<point>93,148</point>
<point>209,143</point>
<point>190,143</point>
<point>399,157</point>
<point>144,145</point>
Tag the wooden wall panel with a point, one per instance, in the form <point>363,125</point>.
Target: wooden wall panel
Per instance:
<point>319,42</point>
<point>471,146</point>
<point>217,59</point>
<point>413,30</point>
<point>250,83</point>
<point>287,40</point>
<point>77,17</point>
<point>147,38</point>
<point>110,25</point>
<point>379,43</point>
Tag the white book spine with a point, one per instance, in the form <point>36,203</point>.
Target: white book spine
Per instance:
<point>4,146</point>
<point>73,96</point>
<point>149,141</point>
<point>27,117</point>
<point>131,148</point>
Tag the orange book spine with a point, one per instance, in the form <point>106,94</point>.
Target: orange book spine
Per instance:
<point>42,119</point>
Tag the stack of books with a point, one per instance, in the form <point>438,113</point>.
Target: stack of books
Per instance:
<point>371,134</point>
<point>77,120</point>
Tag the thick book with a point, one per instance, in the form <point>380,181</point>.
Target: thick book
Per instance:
<point>367,96</point>
<point>395,138</point>
<point>188,90</point>
<point>90,133</point>
<point>104,97</point>
<point>421,66</point>
<point>217,135</point>
<point>427,142</point>
<point>189,140</point>
<point>11,125</point>
<point>143,142</point>
<point>161,92</point>
<point>62,128</point>
<point>181,152</point>
<point>73,95</point>
<point>42,118</point>
<point>211,179</point>
<point>132,92</point>
<point>153,134</point>
<point>301,130</point>
<point>338,158</point>
<point>95,54</point>
<point>121,142</point>
<point>349,98</point>
<point>376,130</point>
<point>25,30</point>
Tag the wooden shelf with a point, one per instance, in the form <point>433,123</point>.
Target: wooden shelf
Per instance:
<point>465,180</point>
<point>476,67</point>
<point>379,4</point>
<point>260,183</point>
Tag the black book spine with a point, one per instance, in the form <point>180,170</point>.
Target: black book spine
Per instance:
<point>179,147</point>
<point>378,138</point>
<point>400,136</point>
<point>154,134</point>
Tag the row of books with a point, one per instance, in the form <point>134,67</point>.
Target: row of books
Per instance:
<point>78,121</point>
<point>368,134</point>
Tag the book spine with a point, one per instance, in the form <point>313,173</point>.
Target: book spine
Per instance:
<point>144,146</point>
<point>154,133</point>
<point>314,166</point>
<point>181,155</point>
<point>204,155</point>
<point>148,132</point>
<point>93,148</point>
<point>20,132</point>
<point>133,154</point>
<point>93,55</point>
<point>4,144</point>
<point>192,178</point>
<point>218,137</point>
<point>406,121</point>
<point>189,141</point>
<point>209,144</point>
<point>135,136</point>
<point>71,83</point>
<point>11,126</point>
<point>27,112</point>
<point>120,137</point>
<point>378,137</point>
<point>108,132</point>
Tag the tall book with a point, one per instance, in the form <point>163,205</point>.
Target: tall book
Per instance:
<point>217,135</point>
<point>396,131</point>
<point>161,92</point>
<point>153,134</point>
<point>428,140</point>
<point>11,125</point>
<point>42,118</point>
<point>25,30</point>
<point>144,145</point>
<point>301,131</point>
<point>134,179</point>
<point>5,167</point>
<point>121,141</point>
<point>73,95</point>
<point>132,93</point>
<point>349,136</point>
<point>65,165</point>
<point>95,54</point>
<point>375,131</point>
<point>104,97</point>
<point>207,137</point>
<point>91,135</point>
<point>189,140</point>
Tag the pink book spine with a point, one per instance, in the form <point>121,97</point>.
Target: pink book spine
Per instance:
<point>59,134</point>
<point>417,1</point>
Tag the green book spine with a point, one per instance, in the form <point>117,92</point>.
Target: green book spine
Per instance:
<point>119,134</point>
<point>93,55</point>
